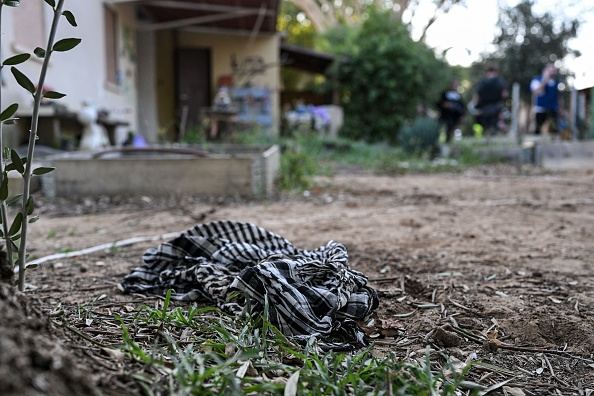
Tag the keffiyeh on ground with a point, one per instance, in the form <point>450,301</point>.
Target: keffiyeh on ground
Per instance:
<point>308,292</point>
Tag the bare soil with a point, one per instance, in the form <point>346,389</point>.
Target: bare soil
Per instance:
<point>494,264</point>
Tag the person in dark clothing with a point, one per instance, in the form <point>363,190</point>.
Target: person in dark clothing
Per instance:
<point>451,108</point>
<point>488,99</point>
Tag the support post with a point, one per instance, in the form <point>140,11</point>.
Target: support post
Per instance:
<point>514,132</point>
<point>591,132</point>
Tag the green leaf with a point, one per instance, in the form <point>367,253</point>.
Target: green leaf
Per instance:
<point>16,160</point>
<point>16,224</point>
<point>15,200</point>
<point>15,60</point>
<point>70,17</point>
<point>15,248</point>
<point>30,206</point>
<point>9,112</point>
<point>6,151</point>
<point>66,44</point>
<point>16,237</point>
<point>11,3</point>
<point>23,80</point>
<point>12,166</point>
<point>42,170</point>
<point>53,95</point>
<point>4,188</point>
<point>10,121</point>
<point>51,3</point>
<point>33,219</point>
<point>39,52</point>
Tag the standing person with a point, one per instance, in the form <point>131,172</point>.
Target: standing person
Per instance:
<point>488,99</point>
<point>451,108</point>
<point>545,93</point>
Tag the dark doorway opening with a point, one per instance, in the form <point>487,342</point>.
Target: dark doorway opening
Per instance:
<point>193,91</point>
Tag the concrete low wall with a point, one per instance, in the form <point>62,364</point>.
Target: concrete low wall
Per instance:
<point>566,155</point>
<point>230,171</point>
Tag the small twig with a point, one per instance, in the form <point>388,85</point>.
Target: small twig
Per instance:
<point>82,335</point>
<point>539,385</point>
<point>538,350</point>
<point>457,304</point>
<point>525,371</point>
<point>552,372</point>
<point>502,345</point>
<point>465,333</point>
<point>386,279</point>
<point>95,288</point>
<point>549,365</point>
<point>100,361</point>
<point>428,336</point>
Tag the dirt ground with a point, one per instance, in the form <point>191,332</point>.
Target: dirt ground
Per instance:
<point>494,264</point>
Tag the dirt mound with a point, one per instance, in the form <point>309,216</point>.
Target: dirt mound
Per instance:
<point>32,361</point>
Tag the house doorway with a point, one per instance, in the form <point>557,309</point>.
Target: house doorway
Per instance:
<point>192,86</point>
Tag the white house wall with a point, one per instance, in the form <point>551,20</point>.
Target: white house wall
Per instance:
<point>81,72</point>
<point>145,99</point>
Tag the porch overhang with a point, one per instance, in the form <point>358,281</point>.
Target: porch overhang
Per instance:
<point>218,16</point>
<point>305,59</point>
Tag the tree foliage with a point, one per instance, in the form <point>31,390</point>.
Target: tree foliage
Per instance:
<point>297,31</point>
<point>526,42</point>
<point>326,14</point>
<point>387,75</point>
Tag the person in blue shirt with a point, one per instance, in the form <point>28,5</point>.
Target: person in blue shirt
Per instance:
<point>546,102</point>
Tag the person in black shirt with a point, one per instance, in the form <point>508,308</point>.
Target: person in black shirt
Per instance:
<point>488,99</point>
<point>451,108</point>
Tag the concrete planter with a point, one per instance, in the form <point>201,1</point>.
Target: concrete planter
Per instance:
<point>245,171</point>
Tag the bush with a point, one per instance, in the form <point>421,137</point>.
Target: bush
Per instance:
<point>383,78</point>
<point>297,169</point>
<point>420,137</point>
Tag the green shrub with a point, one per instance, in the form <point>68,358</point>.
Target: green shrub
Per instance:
<point>384,75</point>
<point>297,169</point>
<point>420,137</point>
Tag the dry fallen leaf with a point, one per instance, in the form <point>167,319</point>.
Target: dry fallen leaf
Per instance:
<point>114,354</point>
<point>292,384</point>
<point>513,391</point>
<point>230,349</point>
<point>246,369</point>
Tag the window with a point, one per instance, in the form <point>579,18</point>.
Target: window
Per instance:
<point>29,25</point>
<point>111,45</point>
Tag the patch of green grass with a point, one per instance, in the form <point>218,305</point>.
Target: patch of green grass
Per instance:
<point>389,159</point>
<point>308,155</point>
<point>203,351</point>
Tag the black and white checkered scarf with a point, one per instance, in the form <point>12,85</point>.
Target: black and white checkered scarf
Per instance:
<point>308,292</point>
